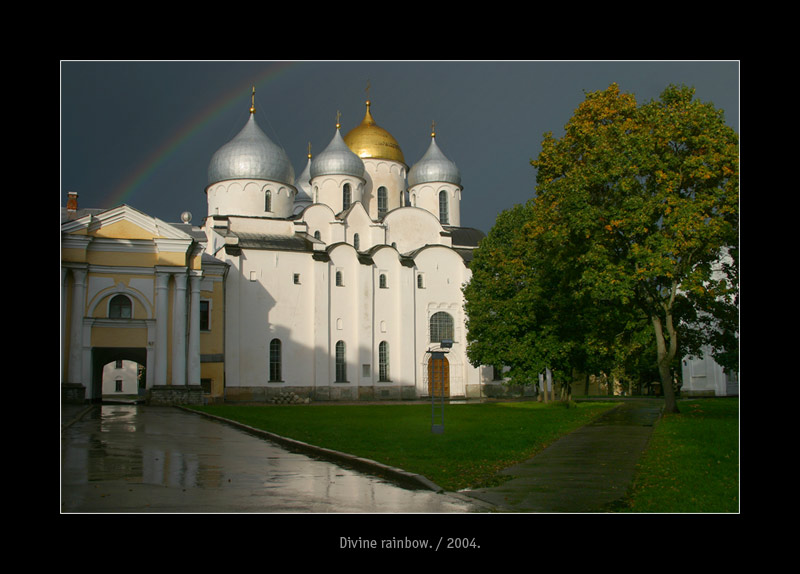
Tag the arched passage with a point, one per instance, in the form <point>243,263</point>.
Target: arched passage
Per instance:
<point>104,355</point>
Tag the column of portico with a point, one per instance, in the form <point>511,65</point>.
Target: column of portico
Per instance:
<point>179,331</point>
<point>194,331</point>
<point>162,306</point>
<point>64,326</point>
<point>76,327</point>
<point>179,312</point>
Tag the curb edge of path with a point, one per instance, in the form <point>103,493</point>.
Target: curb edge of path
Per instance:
<point>398,475</point>
<point>76,418</point>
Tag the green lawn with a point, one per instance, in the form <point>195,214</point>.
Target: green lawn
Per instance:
<point>692,461</point>
<point>478,439</point>
<point>691,464</point>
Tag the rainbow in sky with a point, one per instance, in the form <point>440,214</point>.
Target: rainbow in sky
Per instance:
<point>128,188</point>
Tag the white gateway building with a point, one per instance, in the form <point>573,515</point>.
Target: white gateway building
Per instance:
<point>342,281</point>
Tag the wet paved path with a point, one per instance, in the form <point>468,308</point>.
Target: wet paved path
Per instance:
<point>588,470</point>
<point>127,458</point>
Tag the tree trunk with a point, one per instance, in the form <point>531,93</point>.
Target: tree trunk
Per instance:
<point>543,387</point>
<point>664,358</point>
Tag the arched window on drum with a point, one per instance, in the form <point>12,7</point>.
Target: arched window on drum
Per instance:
<point>444,210</point>
<point>346,197</point>
<point>383,202</point>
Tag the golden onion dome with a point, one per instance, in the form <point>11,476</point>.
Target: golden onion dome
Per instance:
<point>369,140</point>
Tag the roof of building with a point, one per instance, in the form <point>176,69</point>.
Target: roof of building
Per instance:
<point>465,236</point>
<point>464,241</point>
<point>337,159</point>
<point>251,155</point>
<point>434,167</point>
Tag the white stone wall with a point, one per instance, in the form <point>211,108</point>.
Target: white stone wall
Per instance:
<point>291,296</point>
<point>126,374</point>
<point>705,377</point>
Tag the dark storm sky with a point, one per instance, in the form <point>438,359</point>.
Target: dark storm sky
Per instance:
<point>142,133</point>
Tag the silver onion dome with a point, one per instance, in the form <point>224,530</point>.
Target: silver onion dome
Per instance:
<point>337,159</point>
<point>251,155</point>
<point>434,167</point>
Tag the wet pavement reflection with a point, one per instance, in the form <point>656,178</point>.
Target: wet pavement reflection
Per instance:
<point>135,458</point>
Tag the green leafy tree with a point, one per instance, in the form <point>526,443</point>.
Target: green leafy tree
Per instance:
<point>525,313</point>
<point>635,206</point>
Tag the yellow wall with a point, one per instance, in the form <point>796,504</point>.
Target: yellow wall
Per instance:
<point>73,255</point>
<point>119,336</point>
<point>213,342</point>
<point>215,372</point>
<point>122,230</point>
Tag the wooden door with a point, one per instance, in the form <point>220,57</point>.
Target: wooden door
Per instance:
<point>438,375</point>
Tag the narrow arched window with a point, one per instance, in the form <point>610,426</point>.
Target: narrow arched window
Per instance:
<point>268,201</point>
<point>444,215</point>
<point>275,360</point>
<point>339,282</point>
<point>383,202</point>
<point>383,361</point>
<point>441,327</point>
<point>357,242</point>
<point>120,307</point>
<point>346,199</point>
<point>382,281</point>
<point>420,282</point>
<point>341,363</point>
<point>317,235</point>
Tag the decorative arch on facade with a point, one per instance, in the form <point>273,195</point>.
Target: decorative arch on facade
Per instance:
<point>105,296</point>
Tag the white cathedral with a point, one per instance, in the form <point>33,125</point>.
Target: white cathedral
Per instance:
<point>342,281</point>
